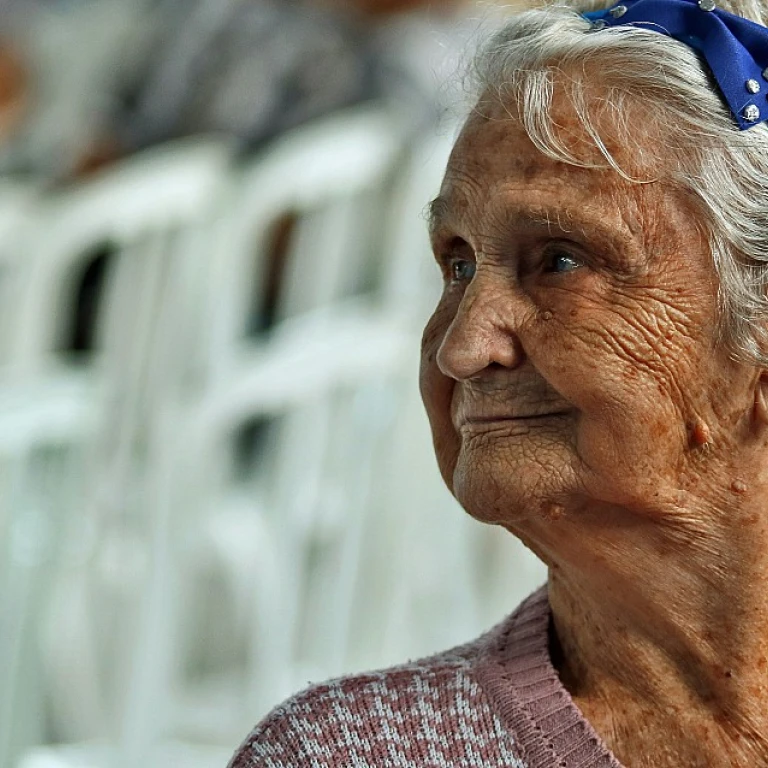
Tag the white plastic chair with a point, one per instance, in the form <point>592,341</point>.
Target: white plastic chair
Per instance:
<point>333,179</point>
<point>323,174</point>
<point>139,202</point>
<point>329,176</point>
<point>136,209</point>
<point>351,349</point>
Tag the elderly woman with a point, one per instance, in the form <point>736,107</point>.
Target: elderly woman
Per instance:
<point>596,377</point>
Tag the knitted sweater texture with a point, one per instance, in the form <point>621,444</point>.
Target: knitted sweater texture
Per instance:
<point>494,703</point>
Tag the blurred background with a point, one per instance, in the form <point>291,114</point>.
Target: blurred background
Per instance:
<point>216,480</point>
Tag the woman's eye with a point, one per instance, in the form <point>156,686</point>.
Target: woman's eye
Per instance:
<point>461,270</point>
<point>561,261</point>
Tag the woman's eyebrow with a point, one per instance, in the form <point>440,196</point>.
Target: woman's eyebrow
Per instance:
<point>587,225</point>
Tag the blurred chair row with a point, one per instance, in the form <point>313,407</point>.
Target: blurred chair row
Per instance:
<point>216,483</point>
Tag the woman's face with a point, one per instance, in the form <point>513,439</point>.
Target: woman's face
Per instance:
<point>573,357</point>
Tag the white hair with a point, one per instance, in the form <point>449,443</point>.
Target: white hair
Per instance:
<point>612,73</point>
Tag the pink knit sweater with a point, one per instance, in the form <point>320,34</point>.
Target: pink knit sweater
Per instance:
<point>494,703</point>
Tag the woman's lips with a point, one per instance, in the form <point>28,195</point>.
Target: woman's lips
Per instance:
<point>506,402</point>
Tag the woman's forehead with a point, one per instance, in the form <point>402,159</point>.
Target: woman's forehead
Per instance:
<point>497,125</point>
<point>493,172</point>
<point>496,170</point>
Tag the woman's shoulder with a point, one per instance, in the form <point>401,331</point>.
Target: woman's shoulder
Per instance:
<point>432,711</point>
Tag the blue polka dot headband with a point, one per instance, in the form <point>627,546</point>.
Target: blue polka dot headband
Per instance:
<point>735,49</point>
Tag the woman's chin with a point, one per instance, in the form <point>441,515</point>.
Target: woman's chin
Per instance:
<point>506,492</point>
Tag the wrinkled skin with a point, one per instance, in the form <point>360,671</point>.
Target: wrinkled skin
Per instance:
<point>579,396</point>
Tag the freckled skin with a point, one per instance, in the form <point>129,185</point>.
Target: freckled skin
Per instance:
<point>585,404</point>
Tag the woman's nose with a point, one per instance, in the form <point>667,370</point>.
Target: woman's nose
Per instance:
<point>482,333</point>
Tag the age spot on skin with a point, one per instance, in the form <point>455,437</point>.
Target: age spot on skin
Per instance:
<point>702,436</point>
<point>739,487</point>
<point>553,511</point>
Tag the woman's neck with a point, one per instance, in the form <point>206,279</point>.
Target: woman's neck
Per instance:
<point>665,624</point>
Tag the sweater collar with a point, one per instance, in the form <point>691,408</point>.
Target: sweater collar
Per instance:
<point>517,674</point>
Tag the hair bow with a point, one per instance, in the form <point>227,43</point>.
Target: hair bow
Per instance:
<point>735,49</point>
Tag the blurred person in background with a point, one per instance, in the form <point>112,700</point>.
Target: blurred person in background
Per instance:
<point>61,58</point>
<point>252,69</point>
<point>144,72</point>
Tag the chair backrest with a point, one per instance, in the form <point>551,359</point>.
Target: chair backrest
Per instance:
<point>321,188</point>
<point>127,209</point>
